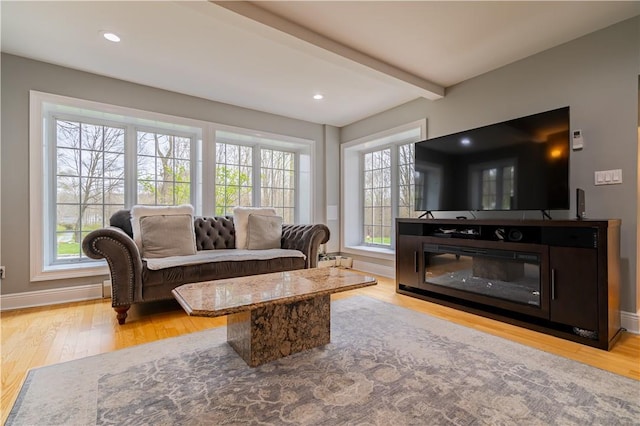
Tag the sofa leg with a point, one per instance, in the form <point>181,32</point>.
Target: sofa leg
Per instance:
<point>121,313</point>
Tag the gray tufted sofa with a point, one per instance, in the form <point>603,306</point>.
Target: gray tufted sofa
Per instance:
<point>133,282</point>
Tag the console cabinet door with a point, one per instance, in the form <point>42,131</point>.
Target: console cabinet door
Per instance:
<point>574,286</point>
<point>408,260</point>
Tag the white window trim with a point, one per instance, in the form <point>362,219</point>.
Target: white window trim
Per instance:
<point>39,271</point>
<point>351,188</point>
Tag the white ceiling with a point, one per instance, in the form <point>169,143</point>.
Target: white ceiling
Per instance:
<point>365,57</point>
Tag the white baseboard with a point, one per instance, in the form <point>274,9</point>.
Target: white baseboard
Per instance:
<point>106,289</point>
<point>374,268</point>
<point>630,321</point>
<point>51,297</point>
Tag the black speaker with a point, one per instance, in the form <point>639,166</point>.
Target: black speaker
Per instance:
<point>514,234</point>
<point>580,204</point>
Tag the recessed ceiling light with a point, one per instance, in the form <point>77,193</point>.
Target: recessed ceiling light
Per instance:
<point>318,96</point>
<point>111,36</point>
<point>465,142</point>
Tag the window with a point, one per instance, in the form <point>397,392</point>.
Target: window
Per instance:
<point>89,160</point>
<point>163,168</point>
<point>388,176</point>
<point>277,182</point>
<point>234,177</point>
<point>377,197</point>
<point>378,182</point>
<point>89,181</point>
<point>263,171</point>
<point>406,181</point>
<point>90,176</point>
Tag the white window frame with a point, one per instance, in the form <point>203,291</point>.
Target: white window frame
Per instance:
<point>351,168</point>
<point>203,187</point>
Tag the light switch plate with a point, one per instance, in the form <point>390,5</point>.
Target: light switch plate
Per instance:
<point>608,177</point>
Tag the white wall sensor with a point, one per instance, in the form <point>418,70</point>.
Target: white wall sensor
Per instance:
<point>577,141</point>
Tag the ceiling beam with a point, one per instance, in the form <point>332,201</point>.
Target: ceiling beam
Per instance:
<point>426,89</point>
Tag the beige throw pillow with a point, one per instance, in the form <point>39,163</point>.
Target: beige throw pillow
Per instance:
<point>264,232</point>
<point>138,213</point>
<point>241,221</point>
<point>164,236</point>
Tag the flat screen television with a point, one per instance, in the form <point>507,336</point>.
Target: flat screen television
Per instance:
<point>520,164</point>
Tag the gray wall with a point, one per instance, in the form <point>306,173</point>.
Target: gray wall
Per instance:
<point>597,76</point>
<point>332,185</point>
<point>19,75</point>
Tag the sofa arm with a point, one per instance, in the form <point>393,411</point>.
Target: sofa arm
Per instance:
<point>305,238</point>
<point>123,258</point>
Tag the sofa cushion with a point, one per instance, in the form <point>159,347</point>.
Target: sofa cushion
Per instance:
<point>221,255</point>
<point>241,221</point>
<point>264,232</point>
<point>138,212</point>
<point>157,284</point>
<point>167,235</point>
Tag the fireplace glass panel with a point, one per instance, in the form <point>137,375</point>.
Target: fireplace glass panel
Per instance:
<point>502,274</point>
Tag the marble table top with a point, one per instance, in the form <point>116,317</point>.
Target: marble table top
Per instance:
<point>227,296</point>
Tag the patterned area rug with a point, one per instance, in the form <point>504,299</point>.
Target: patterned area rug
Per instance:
<point>385,365</point>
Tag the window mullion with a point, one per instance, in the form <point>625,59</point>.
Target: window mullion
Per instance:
<point>205,176</point>
<point>130,167</point>
<point>193,164</point>
<point>50,192</point>
<point>296,185</point>
<point>208,172</point>
<point>395,191</point>
<point>257,178</point>
<point>361,183</point>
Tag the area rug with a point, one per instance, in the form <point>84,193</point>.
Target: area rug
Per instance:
<point>385,365</point>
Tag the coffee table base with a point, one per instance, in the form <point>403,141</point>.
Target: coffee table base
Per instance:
<point>271,332</point>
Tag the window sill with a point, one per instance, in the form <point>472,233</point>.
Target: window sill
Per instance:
<point>71,270</point>
<point>368,251</point>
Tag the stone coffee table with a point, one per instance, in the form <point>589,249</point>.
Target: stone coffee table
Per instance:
<point>274,315</point>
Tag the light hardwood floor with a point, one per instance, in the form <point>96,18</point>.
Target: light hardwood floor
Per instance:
<point>42,336</point>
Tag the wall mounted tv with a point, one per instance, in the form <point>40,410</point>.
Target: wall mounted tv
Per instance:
<point>520,164</point>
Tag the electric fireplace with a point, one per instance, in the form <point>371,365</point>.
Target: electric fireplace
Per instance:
<point>503,278</point>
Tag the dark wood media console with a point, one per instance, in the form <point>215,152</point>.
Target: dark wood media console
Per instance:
<point>559,277</point>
